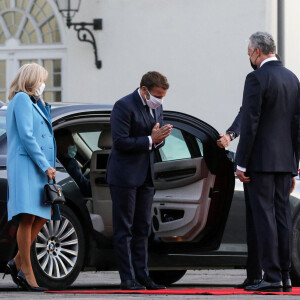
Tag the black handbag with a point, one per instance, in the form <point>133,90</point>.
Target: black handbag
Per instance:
<point>53,194</point>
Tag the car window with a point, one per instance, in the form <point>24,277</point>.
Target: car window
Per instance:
<point>175,147</point>
<point>200,145</point>
<point>91,139</point>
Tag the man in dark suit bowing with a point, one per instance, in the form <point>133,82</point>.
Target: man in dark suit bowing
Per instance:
<point>137,129</point>
<point>268,152</point>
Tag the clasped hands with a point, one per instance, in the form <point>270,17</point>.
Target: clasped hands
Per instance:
<point>158,135</point>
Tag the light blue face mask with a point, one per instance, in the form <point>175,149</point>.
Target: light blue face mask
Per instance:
<point>72,150</point>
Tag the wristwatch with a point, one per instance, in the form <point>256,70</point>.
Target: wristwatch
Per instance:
<point>231,134</point>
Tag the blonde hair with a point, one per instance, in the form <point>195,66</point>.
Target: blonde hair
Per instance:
<point>28,80</point>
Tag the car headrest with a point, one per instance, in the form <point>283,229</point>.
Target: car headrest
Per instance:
<point>105,140</point>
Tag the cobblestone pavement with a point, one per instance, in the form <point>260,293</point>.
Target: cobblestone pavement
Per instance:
<point>110,280</point>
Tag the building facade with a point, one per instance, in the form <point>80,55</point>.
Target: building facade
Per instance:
<point>200,45</point>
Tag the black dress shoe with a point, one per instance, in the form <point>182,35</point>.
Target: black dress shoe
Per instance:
<point>151,285</point>
<point>287,285</point>
<point>131,285</point>
<point>265,286</point>
<point>247,282</point>
<point>12,270</point>
<point>26,286</point>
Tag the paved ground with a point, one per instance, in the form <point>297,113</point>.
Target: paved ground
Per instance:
<point>110,280</point>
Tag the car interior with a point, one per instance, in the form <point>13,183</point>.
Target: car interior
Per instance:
<point>182,181</point>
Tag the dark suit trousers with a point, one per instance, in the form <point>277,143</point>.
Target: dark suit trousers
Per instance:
<point>254,271</point>
<point>132,226</point>
<point>271,222</point>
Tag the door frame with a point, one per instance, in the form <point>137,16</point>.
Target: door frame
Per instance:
<point>218,164</point>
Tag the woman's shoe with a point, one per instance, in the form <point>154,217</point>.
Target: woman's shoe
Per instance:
<point>26,285</point>
<point>11,269</point>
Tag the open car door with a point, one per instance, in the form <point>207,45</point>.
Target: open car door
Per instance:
<point>194,182</point>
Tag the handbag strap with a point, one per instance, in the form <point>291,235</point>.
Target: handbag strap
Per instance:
<point>58,190</point>
<point>54,181</point>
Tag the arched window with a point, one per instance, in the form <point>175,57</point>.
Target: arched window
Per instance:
<point>30,31</point>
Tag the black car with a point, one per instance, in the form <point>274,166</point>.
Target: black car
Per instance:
<point>198,220</point>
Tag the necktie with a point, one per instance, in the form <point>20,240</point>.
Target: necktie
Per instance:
<point>150,118</point>
<point>148,112</point>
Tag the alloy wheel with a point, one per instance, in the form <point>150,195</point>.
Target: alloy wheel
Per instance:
<point>56,248</point>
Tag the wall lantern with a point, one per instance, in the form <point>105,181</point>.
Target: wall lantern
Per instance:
<point>68,9</point>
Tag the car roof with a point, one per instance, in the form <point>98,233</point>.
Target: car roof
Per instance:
<point>62,108</point>
<point>58,109</point>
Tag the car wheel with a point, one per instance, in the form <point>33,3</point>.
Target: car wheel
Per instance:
<point>166,277</point>
<point>58,252</point>
<point>295,273</point>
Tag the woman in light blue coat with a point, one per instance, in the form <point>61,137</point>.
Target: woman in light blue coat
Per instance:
<point>31,157</point>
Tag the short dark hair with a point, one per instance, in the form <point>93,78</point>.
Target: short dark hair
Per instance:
<point>154,79</point>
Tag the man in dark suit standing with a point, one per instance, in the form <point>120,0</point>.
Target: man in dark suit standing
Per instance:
<point>137,129</point>
<point>254,271</point>
<point>268,152</point>
<point>234,130</point>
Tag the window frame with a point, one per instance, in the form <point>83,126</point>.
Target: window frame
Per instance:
<point>191,144</point>
<point>13,51</point>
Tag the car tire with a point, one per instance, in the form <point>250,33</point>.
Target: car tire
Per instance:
<point>166,277</point>
<point>58,252</point>
<point>295,271</point>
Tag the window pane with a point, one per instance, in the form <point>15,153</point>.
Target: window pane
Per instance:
<point>19,3</point>
<point>2,74</point>
<point>55,31</point>
<point>4,4</point>
<point>24,38</point>
<point>57,96</point>
<point>2,124</point>
<point>200,146</point>
<point>29,34</point>
<point>57,80</point>
<point>25,4</point>
<point>40,3</point>
<point>57,65</point>
<point>175,147</point>
<point>33,38</point>
<point>47,63</point>
<point>29,27</point>
<point>48,96</point>
<point>34,10</point>
<point>91,139</point>
<point>12,20</point>
<point>2,97</point>
<point>46,33</point>
<point>53,83</point>
<point>57,72</point>
<point>2,36</point>
<point>47,10</point>
<point>50,32</point>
